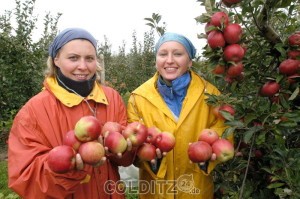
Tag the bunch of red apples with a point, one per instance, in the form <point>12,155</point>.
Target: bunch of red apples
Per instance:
<point>290,68</point>
<point>224,35</point>
<point>210,143</point>
<point>84,139</point>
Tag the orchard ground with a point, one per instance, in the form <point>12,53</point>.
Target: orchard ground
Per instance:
<point>3,153</point>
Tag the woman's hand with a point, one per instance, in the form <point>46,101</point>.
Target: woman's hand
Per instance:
<point>107,152</point>
<point>80,164</point>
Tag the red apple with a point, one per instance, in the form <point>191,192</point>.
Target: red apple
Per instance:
<point>111,127</point>
<point>199,151</point>
<point>215,39</point>
<point>87,128</point>
<point>91,152</point>
<point>146,152</point>
<point>61,159</point>
<point>115,142</point>
<point>136,132</point>
<point>294,39</point>
<point>258,153</point>
<point>228,79</point>
<point>269,89</point>
<point>228,108</point>
<point>232,33</point>
<point>229,3</point>
<point>219,69</point>
<point>289,66</point>
<point>225,107</point>
<point>219,18</point>
<point>208,135</point>
<point>233,52</point>
<point>71,140</point>
<point>235,70</point>
<point>152,133</point>
<point>223,149</point>
<point>293,54</point>
<point>215,110</point>
<point>165,141</point>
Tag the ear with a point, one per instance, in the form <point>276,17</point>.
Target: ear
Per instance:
<point>190,63</point>
<point>56,62</point>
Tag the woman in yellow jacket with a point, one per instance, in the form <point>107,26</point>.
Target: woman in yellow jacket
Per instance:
<point>174,100</point>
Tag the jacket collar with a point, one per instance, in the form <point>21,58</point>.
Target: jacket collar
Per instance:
<point>71,99</point>
<point>150,92</point>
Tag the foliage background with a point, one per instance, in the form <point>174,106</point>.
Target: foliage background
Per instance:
<point>267,134</point>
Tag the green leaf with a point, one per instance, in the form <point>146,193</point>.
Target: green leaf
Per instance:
<point>227,115</point>
<point>275,185</point>
<point>228,132</point>
<point>248,134</point>
<point>149,19</point>
<point>237,124</point>
<point>295,94</point>
<point>209,6</point>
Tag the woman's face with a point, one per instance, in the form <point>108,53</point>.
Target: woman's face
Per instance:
<point>77,60</point>
<point>172,60</point>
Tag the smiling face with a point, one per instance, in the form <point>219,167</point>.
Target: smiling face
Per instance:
<point>172,60</point>
<point>77,60</point>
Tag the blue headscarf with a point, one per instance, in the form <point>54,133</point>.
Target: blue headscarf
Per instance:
<point>67,35</point>
<point>169,36</point>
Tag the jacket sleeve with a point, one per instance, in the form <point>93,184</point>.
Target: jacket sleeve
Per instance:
<point>28,171</point>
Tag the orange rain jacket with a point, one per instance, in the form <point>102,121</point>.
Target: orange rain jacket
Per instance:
<point>176,177</point>
<point>41,125</point>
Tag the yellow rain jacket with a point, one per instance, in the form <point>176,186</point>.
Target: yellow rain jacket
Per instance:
<point>176,177</point>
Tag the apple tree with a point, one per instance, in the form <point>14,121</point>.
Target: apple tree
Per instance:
<point>253,56</point>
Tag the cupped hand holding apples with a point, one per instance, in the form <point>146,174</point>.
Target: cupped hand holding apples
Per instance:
<point>157,144</point>
<point>210,147</point>
<point>80,146</point>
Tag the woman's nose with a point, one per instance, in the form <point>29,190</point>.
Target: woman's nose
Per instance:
<point>170,58</point>
<point>82,64</point>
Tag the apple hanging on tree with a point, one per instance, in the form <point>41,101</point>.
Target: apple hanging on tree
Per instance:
<point>232,33</point>
<point>269,89</point>
<point>234,53</point>
<point>219,19</point>
<point>289,66</point>
<point>215,39</point>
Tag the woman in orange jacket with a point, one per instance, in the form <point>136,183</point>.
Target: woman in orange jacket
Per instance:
<point>174,100</point>
<point>71,90</point>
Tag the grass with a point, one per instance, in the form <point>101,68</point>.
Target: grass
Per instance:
<point>5,192</point>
